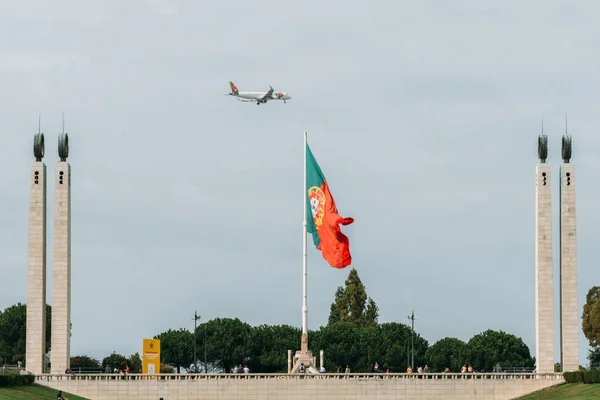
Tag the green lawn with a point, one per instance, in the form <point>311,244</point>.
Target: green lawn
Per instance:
<point>33,392</point>
<point>566,391</point>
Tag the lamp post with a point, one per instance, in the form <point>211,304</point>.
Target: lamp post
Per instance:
<point>196,318</point>
<point>412,340</point>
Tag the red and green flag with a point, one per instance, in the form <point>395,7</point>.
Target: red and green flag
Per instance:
<point>323,220</point>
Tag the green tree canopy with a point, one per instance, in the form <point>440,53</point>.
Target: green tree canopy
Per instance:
<point>120,362</point>
<point>84,362</point>
<point>13,326</point>
<point>388,344</point>
<point>394,340</point>
<point>176,347</point>
<point>594,357</point>
<point>341,344</point>
<point>446,353</point>
<point>135,363</point>
<point>397,347</point>
<point>227,342</point>
<point>115,360</point>
<point>352,305</point>
<point>269,345</point>
<point>488,348</point>
<point>590,320</point>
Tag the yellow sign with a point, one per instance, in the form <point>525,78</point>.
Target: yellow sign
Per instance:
<point>151,357</point>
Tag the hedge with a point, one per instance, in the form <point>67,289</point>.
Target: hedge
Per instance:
<point>16,380</point>
<point>582,376</point>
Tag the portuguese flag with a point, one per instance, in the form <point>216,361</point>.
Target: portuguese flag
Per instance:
<point>323,219</point>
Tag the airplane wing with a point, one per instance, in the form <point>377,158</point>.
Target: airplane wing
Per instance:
<point>268,94</point>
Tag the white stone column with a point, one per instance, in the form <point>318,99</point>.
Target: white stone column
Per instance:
<point>35,335</point>
<point>544,290</point>
<point>321,361</point>
<point>61,271</point>
<point>569,320</point>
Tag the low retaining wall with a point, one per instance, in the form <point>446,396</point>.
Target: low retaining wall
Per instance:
<point>500,386</point>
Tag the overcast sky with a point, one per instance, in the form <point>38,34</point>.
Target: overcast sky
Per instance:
<point>424,117</point>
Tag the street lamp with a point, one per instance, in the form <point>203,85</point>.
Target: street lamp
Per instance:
<point>412,340</point>
<point>196,318</point>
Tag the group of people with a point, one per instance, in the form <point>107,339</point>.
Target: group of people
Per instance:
<point>420,369</point>
<point>238,369</point>
<point>120,371</point>
<point>346,371</point>
<point>463,370</point>
<point>409,370</point>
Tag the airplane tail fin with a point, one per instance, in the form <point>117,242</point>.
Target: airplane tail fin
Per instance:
<point>234,89</point>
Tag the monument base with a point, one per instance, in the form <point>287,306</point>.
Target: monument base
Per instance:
<point>304,356</point>
<point>308,360</point>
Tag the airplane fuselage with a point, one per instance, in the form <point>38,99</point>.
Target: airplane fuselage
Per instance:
<point>259,95</point>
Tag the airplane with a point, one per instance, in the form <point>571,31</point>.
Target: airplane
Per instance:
<point>258,97</point>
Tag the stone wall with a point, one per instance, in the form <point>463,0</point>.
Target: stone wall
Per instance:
<point>296,387</point>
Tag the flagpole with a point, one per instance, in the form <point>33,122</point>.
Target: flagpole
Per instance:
<point>304,266</point>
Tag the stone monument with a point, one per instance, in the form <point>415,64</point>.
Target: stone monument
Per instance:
<point>60,358</point>
<point>35,335</point>
<point>305,357</point>
<point>569,321</point>
<point>544,290</point>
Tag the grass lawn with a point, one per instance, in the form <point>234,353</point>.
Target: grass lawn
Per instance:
<point>33,392</point>
<point>567,391</point>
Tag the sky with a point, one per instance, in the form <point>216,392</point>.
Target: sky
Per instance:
<point>423,116</point>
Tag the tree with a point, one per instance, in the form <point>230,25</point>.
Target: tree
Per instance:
<point>447,353</point>
<point>119,362</point>
<point>115,361</point>
<point>395,341</point>
<point>372,351</point>
<point>557,367</point>
<point>227,342</point>
<point>176,347</point>
<point>488,348</point>
<point>135,363</point>
<point>341,343</point>
<point>337,309</point>
<point>594,357</point>
<point>13,328</point>
<point>84,362</point>
<point>591,317</point>
<point>371,313</point>
<point>352,305</point>
<point>269,345</point>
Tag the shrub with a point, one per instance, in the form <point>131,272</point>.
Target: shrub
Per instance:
<point>16,380</point>
<point>586,377</point>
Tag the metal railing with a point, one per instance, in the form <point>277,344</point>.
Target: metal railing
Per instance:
<point>6,368</point>
<point>518,369</point>
<point>359,376</point>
